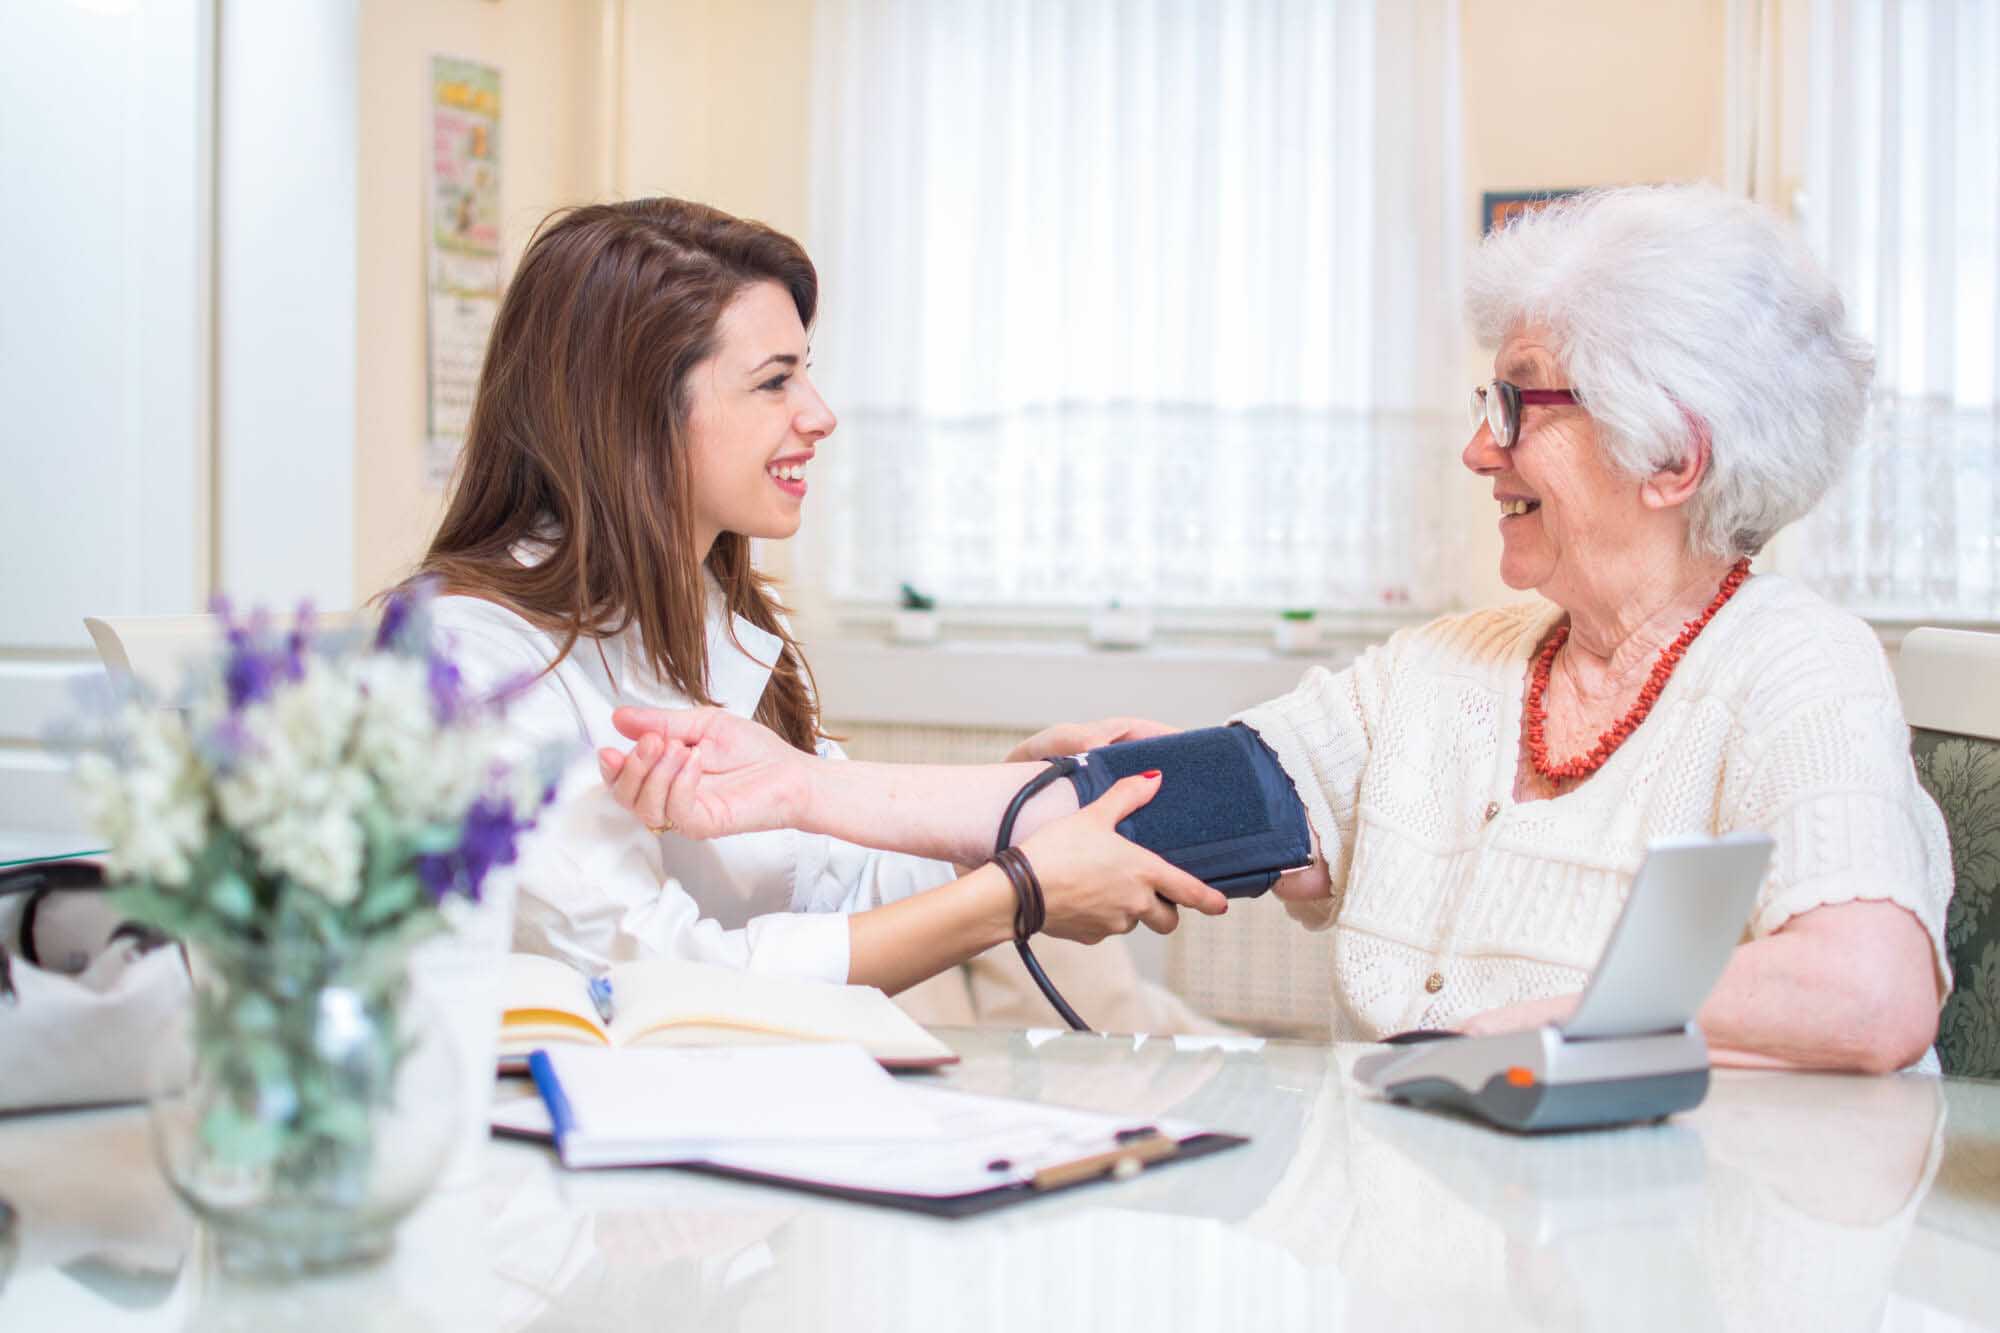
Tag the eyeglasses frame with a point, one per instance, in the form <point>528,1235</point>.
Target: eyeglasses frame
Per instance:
<point>1512,399</point>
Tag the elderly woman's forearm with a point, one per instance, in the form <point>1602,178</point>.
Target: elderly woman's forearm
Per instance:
<point>950,813</point>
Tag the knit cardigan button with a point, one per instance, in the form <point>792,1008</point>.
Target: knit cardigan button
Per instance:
<point>1434,982</point>
<point>1492,811</point>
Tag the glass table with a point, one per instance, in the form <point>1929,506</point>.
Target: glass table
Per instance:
<point>1784,1201</point>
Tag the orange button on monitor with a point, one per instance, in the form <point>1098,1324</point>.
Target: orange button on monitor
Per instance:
<point>1520,1076</point>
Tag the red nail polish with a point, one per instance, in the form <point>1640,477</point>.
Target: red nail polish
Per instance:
<point>1150,773</point>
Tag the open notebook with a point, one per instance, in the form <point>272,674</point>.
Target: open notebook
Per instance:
<point>671,1002</point>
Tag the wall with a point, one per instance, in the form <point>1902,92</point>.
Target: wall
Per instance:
<point>551,153</point>
<point>715,97</point>
<point>1565,93</point>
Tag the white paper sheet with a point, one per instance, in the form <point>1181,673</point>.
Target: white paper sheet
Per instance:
<point>637,1106</point>
<point>973,1132</point>
<point>982,1142</point>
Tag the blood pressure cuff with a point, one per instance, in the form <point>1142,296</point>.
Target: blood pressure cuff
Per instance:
<point>1225,812</point>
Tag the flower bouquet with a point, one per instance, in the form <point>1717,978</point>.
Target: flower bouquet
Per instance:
<point>301,820</point>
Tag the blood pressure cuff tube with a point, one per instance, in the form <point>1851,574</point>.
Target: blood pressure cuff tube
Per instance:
<point>1225,812</point>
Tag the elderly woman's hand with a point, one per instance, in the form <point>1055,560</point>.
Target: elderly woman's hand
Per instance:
<point>704,772</point>
<point>1076,737</point>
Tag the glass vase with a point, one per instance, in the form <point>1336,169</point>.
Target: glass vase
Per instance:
<point>303,1106</point>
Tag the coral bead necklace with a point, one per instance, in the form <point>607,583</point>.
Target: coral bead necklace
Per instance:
<point>1584,765</point>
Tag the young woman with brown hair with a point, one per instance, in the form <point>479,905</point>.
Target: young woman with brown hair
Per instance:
<point>644,411</point>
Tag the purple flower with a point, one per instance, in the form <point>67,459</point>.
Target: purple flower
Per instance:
<point>255,663</point>
<point>395,616</point>
<point>488,841</point>
<point>403,628</point>
<point>447,689</point>
<point>488,838</point>
<point>228,743</point>
<point>298,641</point>
<point>439,872</point>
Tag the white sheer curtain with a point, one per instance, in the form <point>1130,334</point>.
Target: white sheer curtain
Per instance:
<point>1902,203</point>
<point>1136,299</point>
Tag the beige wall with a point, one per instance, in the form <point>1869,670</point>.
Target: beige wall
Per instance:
<point>715,98</point>
<point>1566,93</point>
<point>710,99</point>
<point>1591,92</point>
<point>546,52</point>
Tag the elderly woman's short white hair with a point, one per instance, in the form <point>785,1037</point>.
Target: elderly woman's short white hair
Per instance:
<point>1675,309</point>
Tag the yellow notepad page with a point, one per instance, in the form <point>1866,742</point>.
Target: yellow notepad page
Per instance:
<point>673,1002</point>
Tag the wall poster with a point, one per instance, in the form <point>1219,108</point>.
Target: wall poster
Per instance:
<point>463,249</point>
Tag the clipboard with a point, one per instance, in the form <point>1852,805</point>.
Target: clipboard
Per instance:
<point>1091,1169</point>
<point>968,1170</point>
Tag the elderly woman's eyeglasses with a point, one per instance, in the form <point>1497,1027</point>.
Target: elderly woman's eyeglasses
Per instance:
<point>1499,405</point>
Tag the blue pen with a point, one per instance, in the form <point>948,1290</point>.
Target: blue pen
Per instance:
<point>600,995</point>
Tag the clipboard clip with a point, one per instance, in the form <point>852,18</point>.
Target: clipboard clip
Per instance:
<point>1137,1149</point>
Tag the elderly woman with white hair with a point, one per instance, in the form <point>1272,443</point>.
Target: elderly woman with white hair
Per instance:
<point>1672,386</point>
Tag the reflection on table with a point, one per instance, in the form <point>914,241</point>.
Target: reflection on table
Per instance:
<point>1785,1201</point>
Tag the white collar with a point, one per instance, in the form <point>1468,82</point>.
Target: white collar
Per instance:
<point>737,674</point>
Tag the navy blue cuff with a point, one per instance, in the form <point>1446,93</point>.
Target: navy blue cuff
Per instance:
<point>1226,812</point>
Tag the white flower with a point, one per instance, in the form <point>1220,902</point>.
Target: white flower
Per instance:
<point>397,739</point>
<point>149,802</point>
<point>317,842</point>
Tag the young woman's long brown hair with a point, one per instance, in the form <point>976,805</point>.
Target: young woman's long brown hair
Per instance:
<point>579,440</point>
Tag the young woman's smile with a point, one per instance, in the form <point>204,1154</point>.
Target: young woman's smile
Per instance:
<point>789,473</point>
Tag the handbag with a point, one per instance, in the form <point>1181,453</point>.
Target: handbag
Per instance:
<point>84,995</point>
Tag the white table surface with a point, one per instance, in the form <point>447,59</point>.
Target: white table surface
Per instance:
<point>1785,1201</point>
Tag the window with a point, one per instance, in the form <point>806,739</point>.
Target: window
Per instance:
<point>1142,301</point>
<point>1902,202</point>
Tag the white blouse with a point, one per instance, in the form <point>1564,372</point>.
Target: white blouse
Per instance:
<point>1450,897</point>
<point>596,887</point>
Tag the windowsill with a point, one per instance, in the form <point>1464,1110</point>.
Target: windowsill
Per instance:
<point>1172,627</point>
<point>1024,670</point>
<point>1026,685</point>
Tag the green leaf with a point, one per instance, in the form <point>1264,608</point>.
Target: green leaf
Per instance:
<point>344,1119</point>
<point>149,904</point>
<point>388,898</point>
<point>434,839</point>
<point>254,1014</point>
<point>232,897</point>
<point>240,1140</point>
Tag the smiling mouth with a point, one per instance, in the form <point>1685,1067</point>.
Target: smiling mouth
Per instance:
<point>1515,508</point>
<point>786,472</point>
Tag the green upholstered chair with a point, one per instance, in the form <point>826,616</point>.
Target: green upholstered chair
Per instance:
<point>1950,683</point>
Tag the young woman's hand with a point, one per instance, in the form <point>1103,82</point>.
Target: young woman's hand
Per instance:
<point>1076,737</point>
<point>1096,883</point>
<point>704,772</point>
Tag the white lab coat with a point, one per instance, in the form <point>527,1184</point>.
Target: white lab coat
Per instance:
<point>595,887</point>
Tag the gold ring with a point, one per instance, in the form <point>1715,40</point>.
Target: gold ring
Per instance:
<point>657,829</point>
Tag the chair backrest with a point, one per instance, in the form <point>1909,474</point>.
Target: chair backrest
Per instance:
<point>1950,684</point>
<point>151,649</point>
<point>154,650</point>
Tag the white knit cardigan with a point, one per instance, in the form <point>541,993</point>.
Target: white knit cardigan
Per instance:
<point>1450,898</point>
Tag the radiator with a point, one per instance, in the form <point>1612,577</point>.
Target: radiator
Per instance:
<point>1254,967</point>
